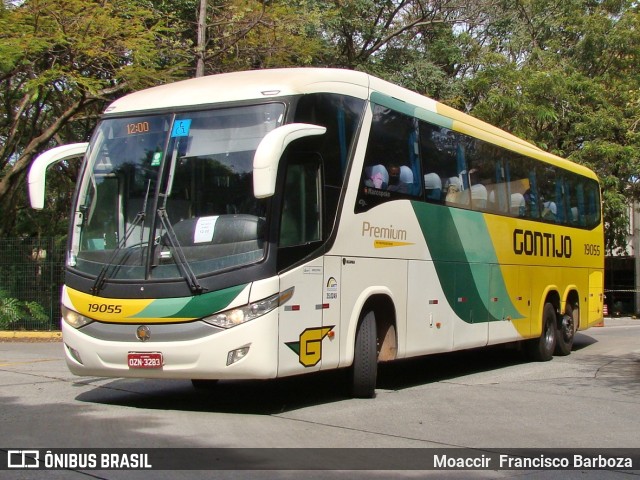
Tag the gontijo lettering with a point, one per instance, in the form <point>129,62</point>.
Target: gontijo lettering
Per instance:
<point>541,244</point>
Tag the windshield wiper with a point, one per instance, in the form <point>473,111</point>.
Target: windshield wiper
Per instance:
<point>111,263</point>
<point>179,257</point>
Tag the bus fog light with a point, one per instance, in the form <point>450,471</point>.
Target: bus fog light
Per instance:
<point>74,354</point>
<point>238,354</point>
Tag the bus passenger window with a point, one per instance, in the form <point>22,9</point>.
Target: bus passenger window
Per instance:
<point>300,220</point>
<point>391,166</point>
<point>549,198</point>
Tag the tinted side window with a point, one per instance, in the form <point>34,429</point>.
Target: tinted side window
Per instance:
<point>462,171</point>
<point>341,116</point>
<point>458,170</point>
<point>300,222</point>
<point>440,163</point>
<point>392,161</point>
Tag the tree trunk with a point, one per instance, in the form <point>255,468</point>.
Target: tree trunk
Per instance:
<point>202,38</point>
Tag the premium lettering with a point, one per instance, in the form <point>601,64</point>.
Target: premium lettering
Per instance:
<point>541,244</point>
<point>385,233</point>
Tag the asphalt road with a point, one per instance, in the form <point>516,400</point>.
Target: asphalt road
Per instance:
<point>482,399</point>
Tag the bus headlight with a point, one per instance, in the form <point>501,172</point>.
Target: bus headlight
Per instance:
<point>240,315</point>
<point>73,318</point>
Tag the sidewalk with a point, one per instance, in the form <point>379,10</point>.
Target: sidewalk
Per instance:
<point>620,321</point>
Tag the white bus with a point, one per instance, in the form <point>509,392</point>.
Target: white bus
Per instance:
<point>270,223</point>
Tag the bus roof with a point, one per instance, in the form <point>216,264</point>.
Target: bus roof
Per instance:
<point>274,83</point>
<point>246,85</point>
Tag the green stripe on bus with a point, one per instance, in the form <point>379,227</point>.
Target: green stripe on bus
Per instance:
<point>191,307</point>
<point>411,110</point>
<point>466,263</point>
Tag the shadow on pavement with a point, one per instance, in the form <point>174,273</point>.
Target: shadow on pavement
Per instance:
<point>286,394</point>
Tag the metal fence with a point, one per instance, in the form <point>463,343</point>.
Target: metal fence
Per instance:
<point>31,277</point>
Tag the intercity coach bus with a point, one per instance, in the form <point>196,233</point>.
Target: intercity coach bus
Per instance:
<point>270,223</point>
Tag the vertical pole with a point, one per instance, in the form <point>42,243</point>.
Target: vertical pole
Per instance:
<point>50,260</point>
<point>202,38</point>
<point>635,226</point>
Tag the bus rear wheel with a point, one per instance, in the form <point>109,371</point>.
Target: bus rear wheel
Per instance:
<point>566,330</point>
<point>364,370</point>
<point>541,349</point>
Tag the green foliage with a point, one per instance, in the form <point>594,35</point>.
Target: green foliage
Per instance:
<point>253,34</point>
<point>411,43</point>
<point>82,46</point>
<point>250,34</point>
<point>12,311</point>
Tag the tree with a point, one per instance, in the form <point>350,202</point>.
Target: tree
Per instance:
<point>13,310</point>
<point>563,75</point>
<point>231,35</point>
<point>60,62</point>
<point>409,42</point>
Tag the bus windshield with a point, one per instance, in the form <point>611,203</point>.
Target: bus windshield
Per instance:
<point>162,193</point>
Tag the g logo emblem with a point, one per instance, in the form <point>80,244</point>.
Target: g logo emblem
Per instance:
<point>143,333</point>
<point>309,348</point>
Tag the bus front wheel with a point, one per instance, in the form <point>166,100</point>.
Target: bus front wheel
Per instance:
<point>364,370</point>
<point>541,349</point>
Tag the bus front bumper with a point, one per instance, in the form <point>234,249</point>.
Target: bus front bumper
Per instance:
<point>248,351</point>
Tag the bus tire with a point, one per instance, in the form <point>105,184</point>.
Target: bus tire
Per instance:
<point>364,370</point>
<point>541,349</point>
<point>565,331</point>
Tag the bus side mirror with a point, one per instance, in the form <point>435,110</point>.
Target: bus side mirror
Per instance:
<point>38,169</point>
<point>269,151</point>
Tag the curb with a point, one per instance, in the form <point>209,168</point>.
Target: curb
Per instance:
<point>17,335</point>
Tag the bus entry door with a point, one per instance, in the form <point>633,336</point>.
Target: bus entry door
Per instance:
<point>302,335</point>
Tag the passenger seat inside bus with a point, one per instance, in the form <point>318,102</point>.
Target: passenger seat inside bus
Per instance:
<point>517,204</point>
<point>479,196</point>
<point>377,177</point>
<point>405,181</point>
<point>433,187</point>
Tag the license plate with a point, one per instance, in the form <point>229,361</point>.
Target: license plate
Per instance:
<point>144,360</point>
